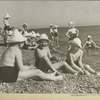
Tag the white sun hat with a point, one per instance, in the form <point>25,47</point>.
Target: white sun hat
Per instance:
<point>43,37</point>
<point>56,26</point>
<point>89,36</point>
<point>16,37</point>
<point>25,24</point>
<point>76,41</point>
<point>71,23</point>
<point>7,16</point>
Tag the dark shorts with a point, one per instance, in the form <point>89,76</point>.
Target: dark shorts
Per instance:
<point>55,34</point>
<point>8,28</point>
<point>8,74</point>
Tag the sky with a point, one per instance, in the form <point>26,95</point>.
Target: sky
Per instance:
<point>40,14</point>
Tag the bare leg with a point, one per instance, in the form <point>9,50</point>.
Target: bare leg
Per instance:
<point>88,68</point>
<point>38,73</point>
<point>45,63</point>
<point>64,66</point>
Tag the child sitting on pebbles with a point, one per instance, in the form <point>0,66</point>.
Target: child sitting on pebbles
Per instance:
<point>74,58</point>
<point>43,57</point>
<point>11,64</point>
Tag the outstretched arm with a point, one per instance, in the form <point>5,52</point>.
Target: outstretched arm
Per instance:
<point>77,31</point>
<point>67,34</point>
<point>94,44</point>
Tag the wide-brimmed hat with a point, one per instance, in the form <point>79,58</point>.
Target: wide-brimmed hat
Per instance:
<point>76,41</point>
<point>16,37</point>
<point>43,37</point>
<point>89,36</point>
<point>56,26</point>
<point>7,16</point>
<point>71,23</point>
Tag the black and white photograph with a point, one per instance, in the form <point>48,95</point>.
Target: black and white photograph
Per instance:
<point>49,47</point>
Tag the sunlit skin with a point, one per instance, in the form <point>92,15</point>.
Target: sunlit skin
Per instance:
<point>43,43</point>
<point>74,48</point>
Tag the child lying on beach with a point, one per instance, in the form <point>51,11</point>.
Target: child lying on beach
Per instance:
<point>43,57</point>
<point>74,58</point>
<point>11,64</point>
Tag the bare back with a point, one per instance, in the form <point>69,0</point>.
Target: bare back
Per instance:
<point>8,57</point>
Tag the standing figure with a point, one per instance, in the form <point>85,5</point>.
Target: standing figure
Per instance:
<point>56,36</point>
<point>72,32</point>
<point>51,34</point>
<point>25,28</point>
<point>7,27</point>
<point>90,45</point>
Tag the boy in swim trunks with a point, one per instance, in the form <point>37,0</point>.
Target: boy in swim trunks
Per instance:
<point>11,64</point>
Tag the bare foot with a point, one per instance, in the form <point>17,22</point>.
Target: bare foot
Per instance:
<point>60,77</point>
<point>52,74</point>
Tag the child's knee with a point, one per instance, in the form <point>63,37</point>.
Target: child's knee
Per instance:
<point>86,66</point>
<point>38,72</point>
<point>64,62</point>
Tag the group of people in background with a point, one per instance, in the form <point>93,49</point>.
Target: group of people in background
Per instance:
<point>54,35</point>
<point>11,64</point>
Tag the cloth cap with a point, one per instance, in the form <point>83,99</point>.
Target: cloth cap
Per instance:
<point>25,24</point>
<point>43,37</point>
<point>16,37</point>
<point>7,16</point>
<point>71,23</point>
<point>89,36</point>
<point>56,26</point>
<point>76,41</point>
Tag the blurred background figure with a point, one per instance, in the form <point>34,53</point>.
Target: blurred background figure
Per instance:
<point>7,27</point>
<point>51,35</point>
<point>90,45</point>
<point>72,32</point>
<point>56,36</point>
